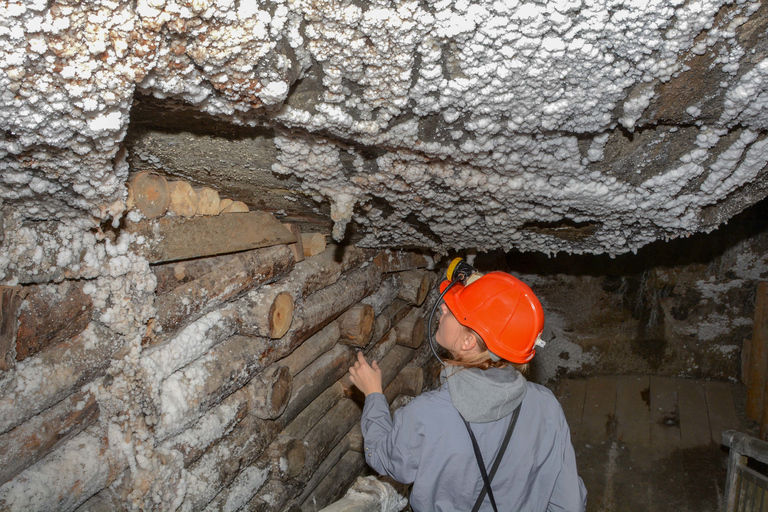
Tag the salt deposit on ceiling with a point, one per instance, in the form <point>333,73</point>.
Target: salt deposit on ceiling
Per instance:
<point>576,125</point>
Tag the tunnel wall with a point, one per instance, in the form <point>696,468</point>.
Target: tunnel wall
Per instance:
<point>165,387</point>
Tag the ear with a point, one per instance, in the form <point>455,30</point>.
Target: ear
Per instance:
<point>468,341</point>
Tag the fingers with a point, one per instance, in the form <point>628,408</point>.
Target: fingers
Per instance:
<point>375,365</point>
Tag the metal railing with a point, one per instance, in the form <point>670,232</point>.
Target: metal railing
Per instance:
<point>746,486</point>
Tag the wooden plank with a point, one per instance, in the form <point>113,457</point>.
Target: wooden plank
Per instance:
<point>633,414</point>
<point>598,419</point>
<point>571,394</point>
<point>758,355</point>
<point>694,418</point>
<point>179,238</point>
<point>722,412</point>
<point>664,416</point>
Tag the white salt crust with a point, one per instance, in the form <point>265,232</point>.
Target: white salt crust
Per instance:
<point>513,82</point>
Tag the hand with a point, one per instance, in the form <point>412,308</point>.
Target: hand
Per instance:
<point>366,377</point>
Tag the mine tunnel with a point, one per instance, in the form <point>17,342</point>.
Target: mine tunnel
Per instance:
<point>210,209</point>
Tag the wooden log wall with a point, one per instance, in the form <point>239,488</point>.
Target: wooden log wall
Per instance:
<point>236,394</point>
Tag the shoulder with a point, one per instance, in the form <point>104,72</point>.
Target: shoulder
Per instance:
<point>543,398</point>
<point>429,406</point>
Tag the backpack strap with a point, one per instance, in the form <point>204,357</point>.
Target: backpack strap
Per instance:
<point>478,456</point>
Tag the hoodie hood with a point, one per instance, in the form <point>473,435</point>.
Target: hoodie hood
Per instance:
<point>482,396</point>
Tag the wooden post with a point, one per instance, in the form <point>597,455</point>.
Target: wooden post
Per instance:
<point>241,273</point>
<point>183,199</point>
<point>415,287</point>
<point>150,194</point>
<point>10,299</point>
<point>298,248</point>
<point>181,238</point>
<point>758,364</point>
<point>313,243</point>
<point>356,325</point>
<point>410,330</point>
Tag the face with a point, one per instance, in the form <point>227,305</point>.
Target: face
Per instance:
<point>450,331</point>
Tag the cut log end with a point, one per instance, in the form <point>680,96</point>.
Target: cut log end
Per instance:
<point>280,315</point>
<point>208,202</point>
<point>151,195</point>
<point>415,287</point>
<point>236,207</point>
<point>314,244</point>
<point>184,200</point>
<point>356,325</point>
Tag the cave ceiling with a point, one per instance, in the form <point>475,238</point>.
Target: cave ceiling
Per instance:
<point>585,126</point>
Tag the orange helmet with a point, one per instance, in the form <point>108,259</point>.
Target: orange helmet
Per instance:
<point>503,310</point>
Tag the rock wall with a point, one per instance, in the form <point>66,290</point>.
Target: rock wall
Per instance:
<point>681,308</point>
<point>167,387</point>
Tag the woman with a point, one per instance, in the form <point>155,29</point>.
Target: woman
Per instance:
<point>490,326</point>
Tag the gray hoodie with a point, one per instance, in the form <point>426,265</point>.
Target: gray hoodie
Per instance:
<point>427,444</point>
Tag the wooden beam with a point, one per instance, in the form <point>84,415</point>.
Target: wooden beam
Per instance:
<point>10,299</point>
<point>176,238</point>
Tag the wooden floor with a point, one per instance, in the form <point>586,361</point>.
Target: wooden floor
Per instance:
<point>646,443</point>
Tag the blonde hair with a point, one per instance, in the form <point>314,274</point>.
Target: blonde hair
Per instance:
<point>483,360</point>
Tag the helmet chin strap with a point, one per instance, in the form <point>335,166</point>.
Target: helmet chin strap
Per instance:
<point>430,336</point>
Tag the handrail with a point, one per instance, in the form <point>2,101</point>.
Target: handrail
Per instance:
<point>746,445</point>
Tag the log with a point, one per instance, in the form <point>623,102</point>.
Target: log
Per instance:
<point>224,203</point>
<point>274,495</point>
<point>323,306</point>
<point>208,202</point>
<point>220,466</point>
<point>391,315</point>
<point>235,207</point>
<point>269,391</point>
<point>356,325</point>
<point>55,483</point>
<point>330,461</point>
<point>241,273</point>
<point>239,492</point>
<point>314,412</point>
<point>181,238</point>
<point>10,300</point>
<point>336,482</point>
<point>315,378</point>
<point>325,269</point>
<point>416,284</point>
<point>267,311</point>
<point>51,314</point>
<point>387,292</point>
<point>381,353</point>
<point>316,345</point>
<point>329,431</point>
<point>42,434</point>
<point>298,248</point>
<point>48,377</point>
<point>397,261</point>
<point>174,274</point>
<point>106,500</point>
<point>758,364</point>
<point>410,330</point>
<point>367,494</point>
<point>189,392</point>
<point>183,199</point>
<point>150,194</point>
<point>284,458</point>
<point>212,426</point>
<point>161,360</point>
<point>313,244</point>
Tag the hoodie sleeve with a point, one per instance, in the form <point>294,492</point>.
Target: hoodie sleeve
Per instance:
<point>392,446</point>
<point>569,493</point>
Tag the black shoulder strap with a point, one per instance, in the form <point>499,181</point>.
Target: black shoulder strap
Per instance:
<point>486,477</point>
